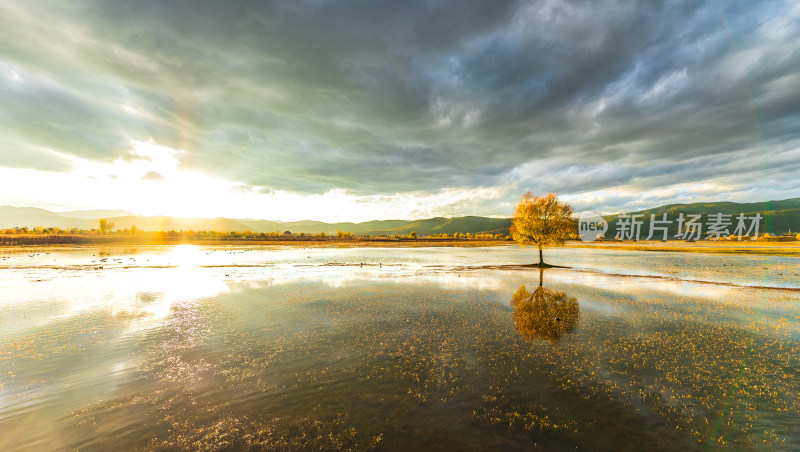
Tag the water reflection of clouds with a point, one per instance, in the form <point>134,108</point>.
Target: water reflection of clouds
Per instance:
<point>340,276</point>
<point>129,287</point>
<point>141,296</point>
<point>171,287</point>
<point>621,296</point>
<point>144,296</point>
<point>634,285</point>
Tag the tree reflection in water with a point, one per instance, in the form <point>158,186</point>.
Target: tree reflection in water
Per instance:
<point>544,313</point>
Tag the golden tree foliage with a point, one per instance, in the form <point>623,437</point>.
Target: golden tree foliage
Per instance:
<point>542,220</point>
<point>544,313</point>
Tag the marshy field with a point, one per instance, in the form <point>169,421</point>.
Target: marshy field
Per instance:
<point>397,348</point>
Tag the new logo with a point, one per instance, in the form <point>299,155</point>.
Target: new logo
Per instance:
<point>591,226</point>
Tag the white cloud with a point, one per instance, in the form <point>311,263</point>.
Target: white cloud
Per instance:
<point>122,184</point>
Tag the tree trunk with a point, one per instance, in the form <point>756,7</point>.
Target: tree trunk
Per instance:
<point>540,257</point>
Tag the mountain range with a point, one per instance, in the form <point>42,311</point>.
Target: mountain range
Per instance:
<point>779,217</point>
<point>30,217</point>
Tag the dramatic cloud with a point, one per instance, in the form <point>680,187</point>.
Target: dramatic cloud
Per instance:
<point>397,105</point>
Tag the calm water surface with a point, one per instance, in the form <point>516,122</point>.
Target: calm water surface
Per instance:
<point>292,348</point>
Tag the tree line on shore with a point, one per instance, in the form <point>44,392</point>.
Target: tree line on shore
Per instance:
<point>107,230</point>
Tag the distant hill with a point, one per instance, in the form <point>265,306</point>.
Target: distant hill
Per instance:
<point>94,214</point>
<point>779,218</point>
<point>440,225</point>
<point>331,228</point>
<point>162,223</point>
<point>30,217</point>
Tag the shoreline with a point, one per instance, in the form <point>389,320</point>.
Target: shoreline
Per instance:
<point>709,247</point>
<point>12,242</point>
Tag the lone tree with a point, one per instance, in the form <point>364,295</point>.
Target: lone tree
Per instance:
<point>543,221</point>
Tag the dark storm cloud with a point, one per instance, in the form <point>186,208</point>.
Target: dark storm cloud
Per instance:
<point>381,97</point>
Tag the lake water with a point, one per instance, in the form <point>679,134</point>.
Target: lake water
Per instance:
<point>295,348</point>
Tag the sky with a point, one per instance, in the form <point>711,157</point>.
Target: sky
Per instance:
<point>363,110</point>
